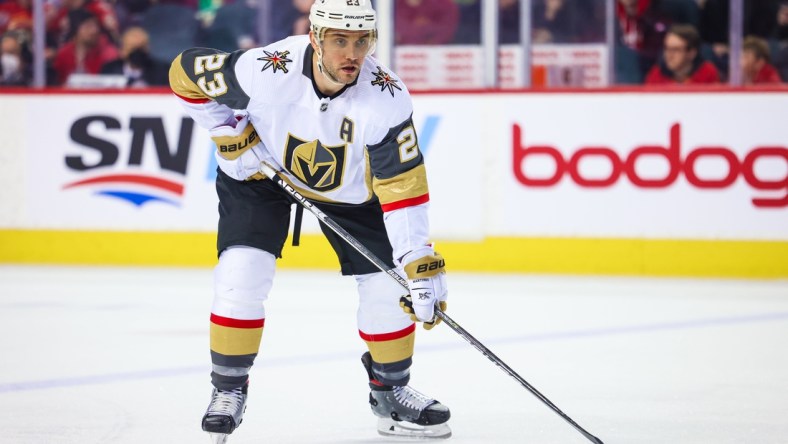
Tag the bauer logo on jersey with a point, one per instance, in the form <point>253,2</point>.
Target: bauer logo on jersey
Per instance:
<point>385,81</point>
<point>318,166</point>
<point>276,60</point>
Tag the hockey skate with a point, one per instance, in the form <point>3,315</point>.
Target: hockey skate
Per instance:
<point>403,411</point>
<point>225,413</point>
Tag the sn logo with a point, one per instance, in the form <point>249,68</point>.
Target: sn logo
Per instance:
<point>91,132</point>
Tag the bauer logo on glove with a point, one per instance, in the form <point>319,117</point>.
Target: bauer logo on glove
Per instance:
<point>435,265</point>
<point>238,145</point>
<point>427,283</point>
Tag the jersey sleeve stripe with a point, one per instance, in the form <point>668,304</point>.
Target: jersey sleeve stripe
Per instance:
<point>190,100</point>
<point>408,185</point>
<point>405,203</point>
<point>182,85</point>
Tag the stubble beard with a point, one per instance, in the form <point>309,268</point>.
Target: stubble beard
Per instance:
<point>335,75</point>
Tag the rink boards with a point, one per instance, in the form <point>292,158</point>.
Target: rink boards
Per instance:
<point>614,182</point>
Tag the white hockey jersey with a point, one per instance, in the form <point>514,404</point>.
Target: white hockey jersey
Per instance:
<point>347,148</point>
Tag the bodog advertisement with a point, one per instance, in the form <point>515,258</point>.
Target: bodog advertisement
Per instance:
<point>669,166</point>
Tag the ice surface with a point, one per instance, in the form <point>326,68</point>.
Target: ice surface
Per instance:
<point>120,355</point>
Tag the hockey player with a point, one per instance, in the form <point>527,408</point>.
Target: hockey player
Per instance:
<point>338,126</point>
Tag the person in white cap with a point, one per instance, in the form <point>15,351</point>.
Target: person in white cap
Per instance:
<point>338,126</point>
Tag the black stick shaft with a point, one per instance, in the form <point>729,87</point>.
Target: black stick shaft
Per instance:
<point>322,217</point>
<point>508,370</point>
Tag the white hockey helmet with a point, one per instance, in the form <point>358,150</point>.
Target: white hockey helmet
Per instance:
<point>350,15</point>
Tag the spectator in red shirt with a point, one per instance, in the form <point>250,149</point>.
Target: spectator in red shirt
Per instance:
<point>641,30</point>
<point>88,49</point>
<point>755,66</point>
<point>423,22</point>
<point>681,62</point>
<point>59,24</point>
<point>15,14</point>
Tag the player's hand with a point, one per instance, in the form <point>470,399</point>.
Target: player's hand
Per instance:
<point>427,283</point>
<point>238,149</point>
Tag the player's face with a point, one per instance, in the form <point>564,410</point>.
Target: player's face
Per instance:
<point>344,52</point>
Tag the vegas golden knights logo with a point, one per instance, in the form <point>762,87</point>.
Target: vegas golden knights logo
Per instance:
<point>318,166</point>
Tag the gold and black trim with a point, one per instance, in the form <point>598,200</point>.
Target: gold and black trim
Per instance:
<point>408,185</point>
<point>181,84</point>
<point>203,73</point>
<point>232,147</point>
<point>426,267</point>
<point>319,167</point>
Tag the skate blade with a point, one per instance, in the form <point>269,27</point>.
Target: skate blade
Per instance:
<point>389,427</point>
<point>218,438</point>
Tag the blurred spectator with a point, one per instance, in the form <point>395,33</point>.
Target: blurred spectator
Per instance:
<point>234,27</point>
<point>426,22</point>
<point>16,14</point>
<point>104,12</point>
<point>714,23</point>
<point>14,61</point>
<point>130,12</point>
<point>206,9</point>
<point>781,28</point>
<point>172,28</point>
<point>641,29</point>
<point>681,11</point>
<point>590,18</point>
<point>301,22</point>
<point>87,50</point>
<point>508,21</point>
<point>682,62</point>
<point>780,41</point>
<point>469,23</point>
<point>759,17</point>
<point>281,24</point>
<point>553,21</point>
<point>135,62</point>
<point>755,66</point>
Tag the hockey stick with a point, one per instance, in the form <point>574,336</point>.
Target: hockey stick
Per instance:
<point>322,217</point>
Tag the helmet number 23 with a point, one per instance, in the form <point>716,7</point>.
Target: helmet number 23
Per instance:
<point>352,3</point>
<point>217,86</point>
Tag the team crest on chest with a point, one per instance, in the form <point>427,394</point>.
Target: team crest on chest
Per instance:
<point>276,60</point>
<point>385,81</point>
<point>320,167</point>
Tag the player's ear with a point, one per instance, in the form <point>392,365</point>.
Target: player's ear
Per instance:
<point>313,40</point>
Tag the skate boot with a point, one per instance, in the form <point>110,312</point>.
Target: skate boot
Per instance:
<point>225,413</point>
<point>402,411</point>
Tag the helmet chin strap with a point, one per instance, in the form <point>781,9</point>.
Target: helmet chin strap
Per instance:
<point>327,75</point>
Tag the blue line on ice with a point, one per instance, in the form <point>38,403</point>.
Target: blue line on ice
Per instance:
<point>297,360</point>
